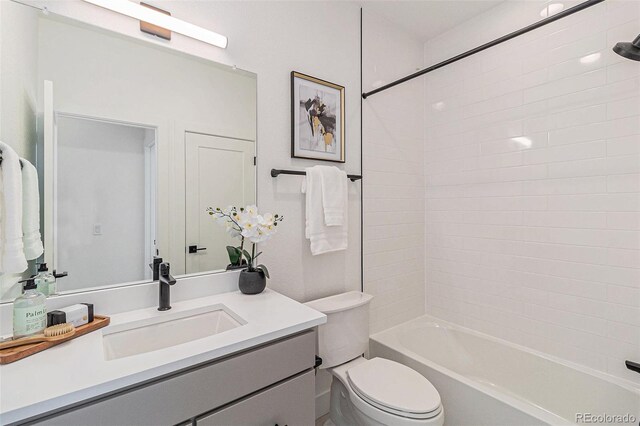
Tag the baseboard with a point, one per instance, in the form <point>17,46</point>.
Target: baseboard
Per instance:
<point>322,403</point>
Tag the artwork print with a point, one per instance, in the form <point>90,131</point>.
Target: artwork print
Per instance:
<point>317,119</point>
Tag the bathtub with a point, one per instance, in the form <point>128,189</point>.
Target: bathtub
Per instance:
<point>487,381</point>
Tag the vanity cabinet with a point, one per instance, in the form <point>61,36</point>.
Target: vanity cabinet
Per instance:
<point>266,385</point>
<point>287,403</point>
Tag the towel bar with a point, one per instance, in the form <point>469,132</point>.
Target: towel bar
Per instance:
<point>277,172</point>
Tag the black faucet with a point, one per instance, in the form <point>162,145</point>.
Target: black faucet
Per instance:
<point>161,272</point>
<point>155,267</point>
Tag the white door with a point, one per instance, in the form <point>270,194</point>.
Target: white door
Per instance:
<point>219,172</point>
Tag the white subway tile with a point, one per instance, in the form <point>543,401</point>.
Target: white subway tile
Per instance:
<point>593,255</point>
<point>518,143</point>
<point>565,86</point>
<point>623,220</point>
<point>584,46</point>
<point>624,314</point>
<point>575,66</point>
<point>626,145</point>
<point>558,219</point>
<point>532,188</point>
<point>623,295</point>
<point>624,108</point>
<point>580,116</point>
<point>595,202</point>
<point>624,183</point>
<point>568,169</point>
<point>583,133</point>
<point>623,164</point>
<point>581,151</point>
<point>623,258</point>
<point>579,185</point>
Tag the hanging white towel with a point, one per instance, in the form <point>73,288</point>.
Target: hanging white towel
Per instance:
<point>11,246</point>
<point>323,238</point>
<point>32,239</point>
<point>334,195</point>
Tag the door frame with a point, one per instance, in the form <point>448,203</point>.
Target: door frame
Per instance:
<point>162,130</point>
<point>178,221</point>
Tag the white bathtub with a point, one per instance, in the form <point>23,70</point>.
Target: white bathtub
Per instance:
<point>487,381</point>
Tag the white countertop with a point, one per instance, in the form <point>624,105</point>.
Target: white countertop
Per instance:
<point>76,370</point>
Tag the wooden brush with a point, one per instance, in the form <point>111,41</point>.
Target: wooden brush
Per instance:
<point>50,334</point>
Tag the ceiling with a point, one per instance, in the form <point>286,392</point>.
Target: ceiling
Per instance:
<point>429,18</point>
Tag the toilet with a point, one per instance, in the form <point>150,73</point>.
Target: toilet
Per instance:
<point>364,391</point>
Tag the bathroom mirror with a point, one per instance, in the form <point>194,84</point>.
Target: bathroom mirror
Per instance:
<point>132,142</point>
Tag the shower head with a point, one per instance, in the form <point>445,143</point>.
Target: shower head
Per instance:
<point>629,50</point>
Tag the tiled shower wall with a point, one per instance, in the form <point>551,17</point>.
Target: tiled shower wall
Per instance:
<point>532,162</point>
<point>393,165</point>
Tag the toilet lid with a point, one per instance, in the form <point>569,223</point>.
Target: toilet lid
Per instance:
<point>394,386</point>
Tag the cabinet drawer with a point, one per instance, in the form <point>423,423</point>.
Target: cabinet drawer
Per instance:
<point>290,403</point>
<point>183,396</point>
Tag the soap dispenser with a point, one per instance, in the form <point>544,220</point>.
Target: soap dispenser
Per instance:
<point>45,281</point>
<point>29,310</point>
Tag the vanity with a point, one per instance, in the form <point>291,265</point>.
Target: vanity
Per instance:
<point>254,365</point>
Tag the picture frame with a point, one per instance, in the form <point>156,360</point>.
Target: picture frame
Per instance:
<point>317,119</point>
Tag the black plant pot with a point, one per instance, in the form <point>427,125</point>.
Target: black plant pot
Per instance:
<point>252,282</point>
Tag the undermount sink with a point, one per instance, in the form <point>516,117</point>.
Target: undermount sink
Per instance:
<point>172,329</point>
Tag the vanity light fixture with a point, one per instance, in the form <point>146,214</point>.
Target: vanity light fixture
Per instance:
<point>141,13</point>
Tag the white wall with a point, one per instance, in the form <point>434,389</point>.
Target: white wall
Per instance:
<point>272,39</point>
<point>18,40</point>
<point>394,168</point>
<point>110,160</point>
<point>538,244</point>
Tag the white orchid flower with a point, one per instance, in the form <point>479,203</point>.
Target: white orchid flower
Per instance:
<point>252,210</point>
<point>247,223</point>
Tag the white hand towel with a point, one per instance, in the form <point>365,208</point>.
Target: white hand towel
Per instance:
<point>11,246</point>
<point>323,238</point>
<point>334,195</point>
<point>32,239</point>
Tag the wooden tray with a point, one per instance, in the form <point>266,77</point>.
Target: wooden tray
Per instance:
<point>10,355</point>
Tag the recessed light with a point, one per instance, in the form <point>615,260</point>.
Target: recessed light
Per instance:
<point>590,58</point>
<point>439,106</point>
<point>551,9</point>
<point>523,140</point>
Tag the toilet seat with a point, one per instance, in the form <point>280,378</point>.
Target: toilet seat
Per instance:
<point>394,388</point>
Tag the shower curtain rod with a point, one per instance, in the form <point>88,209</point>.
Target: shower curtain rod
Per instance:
<point>485,46</point>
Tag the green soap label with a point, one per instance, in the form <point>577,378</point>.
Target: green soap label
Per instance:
<point>29,320</point>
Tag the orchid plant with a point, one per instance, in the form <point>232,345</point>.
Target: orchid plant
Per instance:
<point>246,223</point>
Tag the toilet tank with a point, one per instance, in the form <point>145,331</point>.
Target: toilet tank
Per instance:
<point>345,335</point>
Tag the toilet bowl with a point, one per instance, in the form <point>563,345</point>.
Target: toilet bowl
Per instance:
<point>382,392</point>
<point>364,391</point>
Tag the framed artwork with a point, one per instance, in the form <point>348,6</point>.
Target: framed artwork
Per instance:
<point>317,119</point>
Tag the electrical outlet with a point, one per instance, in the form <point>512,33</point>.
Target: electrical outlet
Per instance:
<point>97,229</point>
